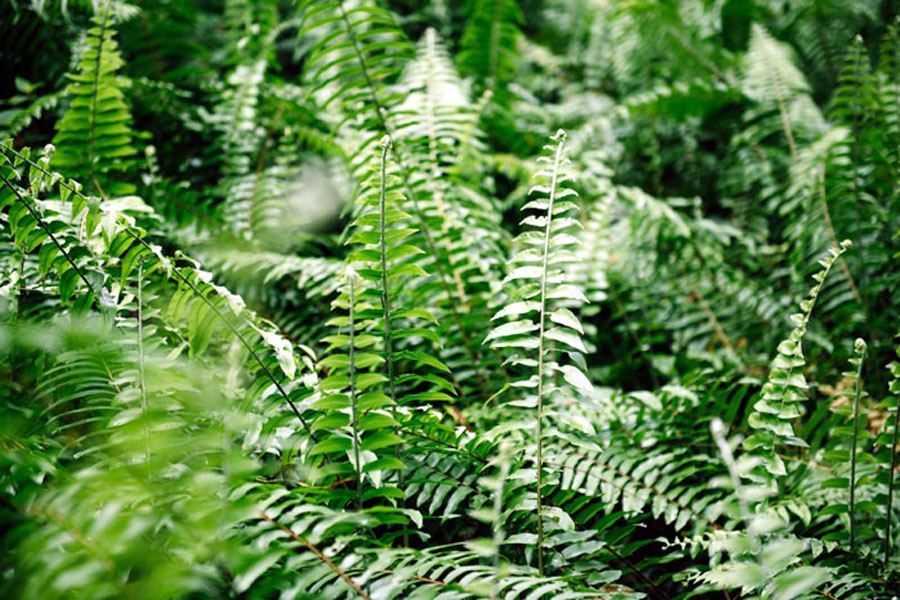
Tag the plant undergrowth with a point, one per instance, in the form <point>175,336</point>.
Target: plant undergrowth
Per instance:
<point>490,299</point>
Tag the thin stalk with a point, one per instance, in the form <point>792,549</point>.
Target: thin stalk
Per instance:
<point>890,498</point>
<point>540,369</point>
<point>141,374</point>
<point>47,230</point>
<point>385,294</point>
<point>386,300</point>
<point>785,122</point>
<point>94,92</point>
<point>354,417</point>
<point>861,351</point>
<point>708,311</point>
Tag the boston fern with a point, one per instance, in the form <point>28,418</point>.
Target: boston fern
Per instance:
<point>302,300</point>
<point>530,323</point>
<point>94,137</point>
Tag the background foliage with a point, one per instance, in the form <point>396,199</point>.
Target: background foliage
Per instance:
<point>444,299</point>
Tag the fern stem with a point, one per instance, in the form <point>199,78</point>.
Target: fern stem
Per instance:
<point>354,417</point>
<point>890,497</point>
<point>331,564</point>
<point>708,311</point>
<point>385,294</point>
<point>94,91</point>
<point>561,136</point>
<point>141,373</point>
<point>861,351</point>
<point>785,122</point>
<point>43,225</point>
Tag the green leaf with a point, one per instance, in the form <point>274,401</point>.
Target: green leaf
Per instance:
<point>797,582</point>
<point>566,337</point>
<point>380,439</point>
<point>67,283</point>
<point>574,376</point>
<point>331,445</point>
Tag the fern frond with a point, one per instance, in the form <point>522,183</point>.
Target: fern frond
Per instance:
<point>437,124</point>
<point>771,77</point>
<point>489,43</point>
<point>95,137</point>
<point>359,49</point>
<point>539,267</point>
<point>384,343</point>
<point>241,140</point>
<point>785,390</point>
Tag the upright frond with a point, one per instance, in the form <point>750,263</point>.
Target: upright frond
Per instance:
<point>534,321</point>
<point>94,138</point>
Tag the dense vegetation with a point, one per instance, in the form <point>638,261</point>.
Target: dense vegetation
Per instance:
<point>449,299</point>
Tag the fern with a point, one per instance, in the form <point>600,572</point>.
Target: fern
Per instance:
<point>384,261</point>
<point>241,137</point>
<point>772,76</point>
<point>785,389</point>
<point>96,128</point>
<point>489,43</point>
<point>243,290</point>
<point>548,246</point>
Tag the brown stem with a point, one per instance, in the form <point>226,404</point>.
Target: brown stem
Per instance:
<point>318,553</point>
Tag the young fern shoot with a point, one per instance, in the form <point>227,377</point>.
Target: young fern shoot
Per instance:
<point>346,389</point>
<point>533,320</point>
<point>785,390</point>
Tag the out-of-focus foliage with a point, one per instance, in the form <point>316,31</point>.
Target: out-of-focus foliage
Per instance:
<point>449,299</point>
